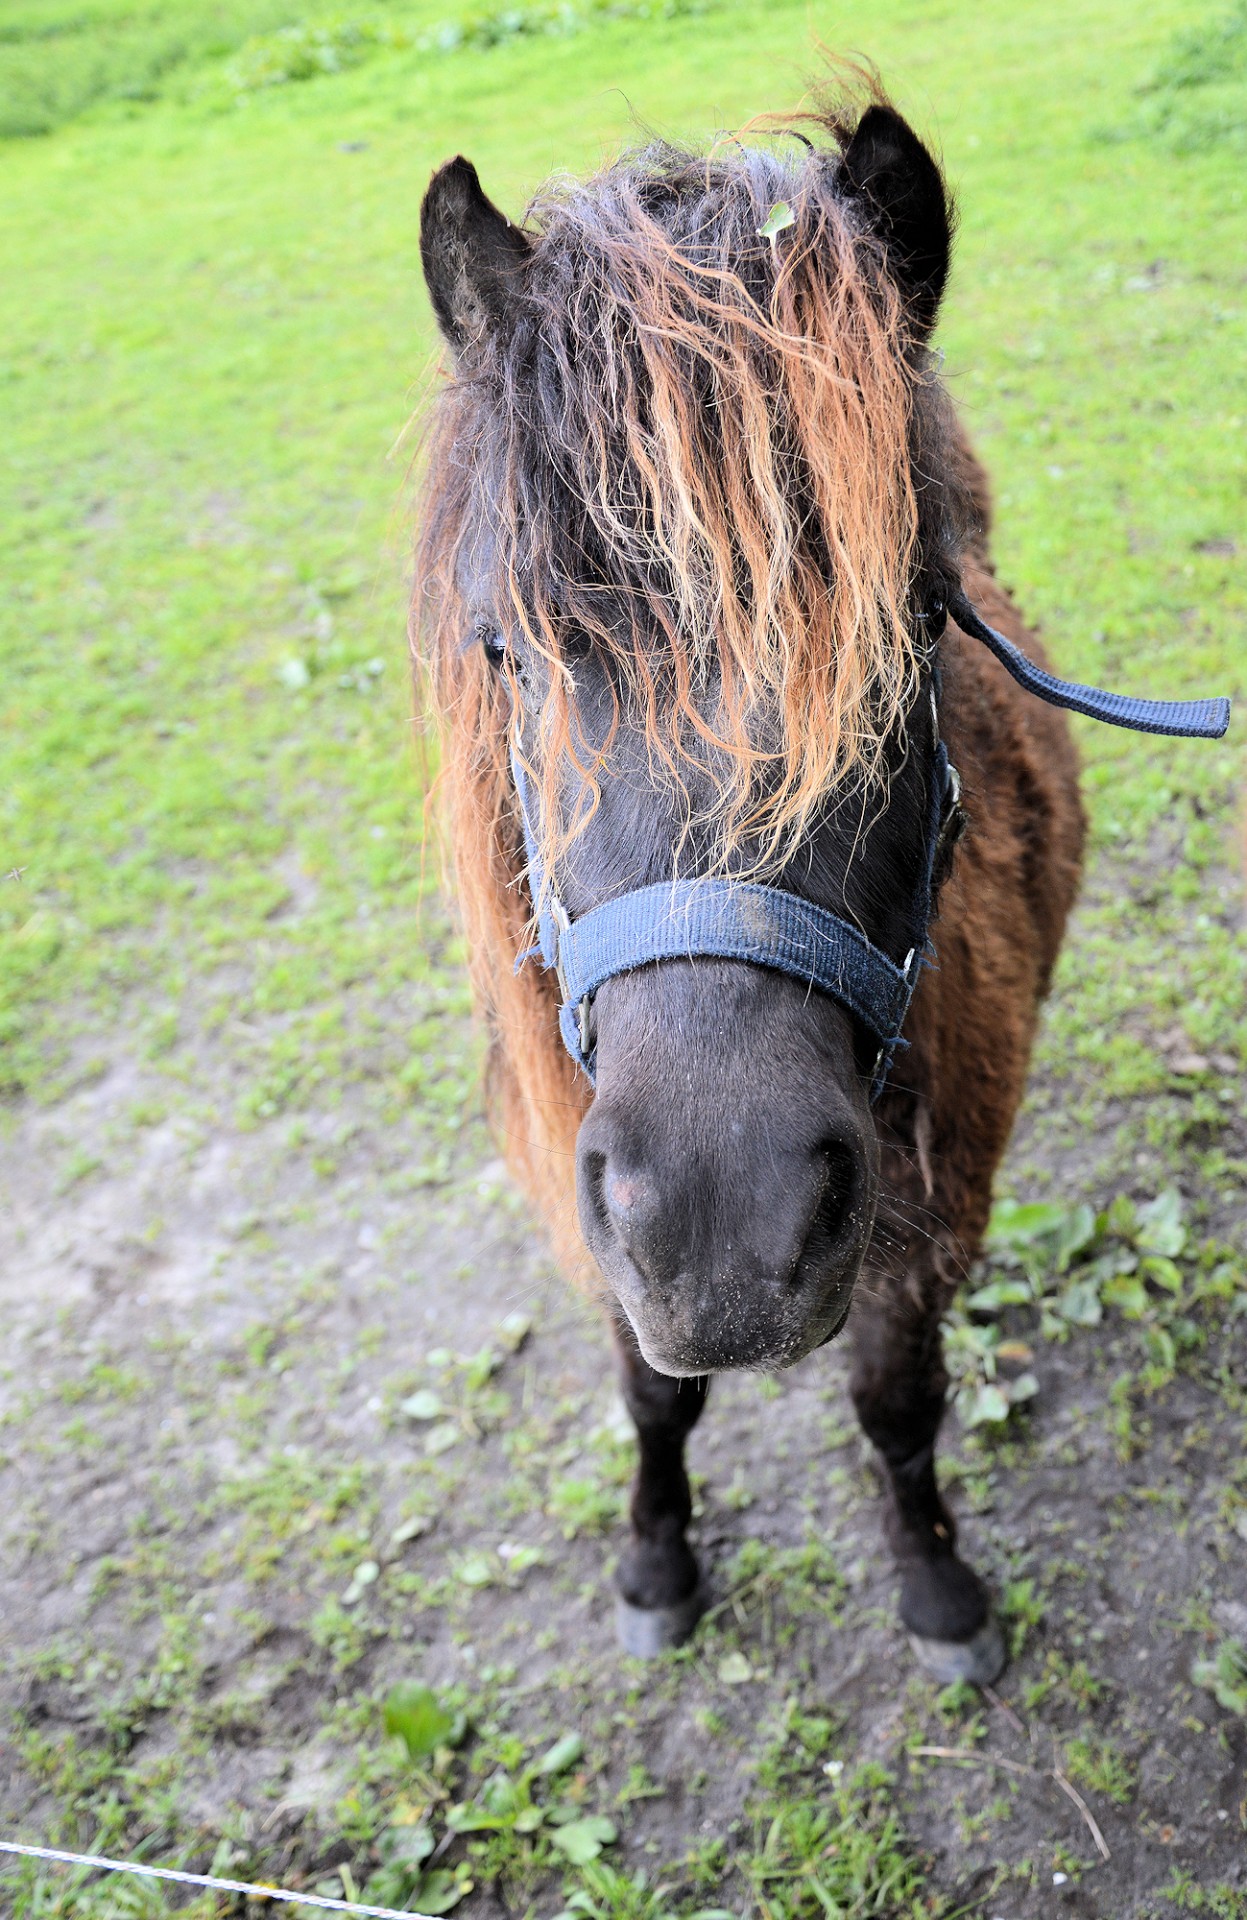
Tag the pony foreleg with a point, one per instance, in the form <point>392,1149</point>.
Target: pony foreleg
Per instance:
<point>660,1599</point>
<point>898,1386</point>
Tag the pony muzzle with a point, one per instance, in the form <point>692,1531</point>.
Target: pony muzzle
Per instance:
<point>729,1205</point>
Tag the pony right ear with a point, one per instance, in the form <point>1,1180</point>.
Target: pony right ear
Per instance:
<point>888,170</point>
<point>471,253</point>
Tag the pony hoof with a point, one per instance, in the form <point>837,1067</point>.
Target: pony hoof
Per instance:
<point>981,1659</point>
<point>646,1631</point>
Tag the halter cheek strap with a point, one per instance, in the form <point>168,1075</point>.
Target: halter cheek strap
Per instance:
<point>771,927</point>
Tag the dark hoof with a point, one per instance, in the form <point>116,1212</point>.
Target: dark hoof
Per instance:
<point>980,1659</point>
<point>646,1631</point>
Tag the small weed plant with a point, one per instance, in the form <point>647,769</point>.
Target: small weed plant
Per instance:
<point>1067,1269</point>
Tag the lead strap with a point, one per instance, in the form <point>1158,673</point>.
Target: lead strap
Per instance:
<point>1183,719</point>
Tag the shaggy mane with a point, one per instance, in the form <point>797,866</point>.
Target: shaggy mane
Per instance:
<point>708,455</point>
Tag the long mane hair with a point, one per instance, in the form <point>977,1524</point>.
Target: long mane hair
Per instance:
<point>709,451</point>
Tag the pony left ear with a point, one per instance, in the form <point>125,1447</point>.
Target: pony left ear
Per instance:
<point>471,253</point>
<point>887,168</point>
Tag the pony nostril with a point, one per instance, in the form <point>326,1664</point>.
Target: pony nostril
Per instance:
<point>625,1206</point>
<point>633,1206</point>
<point>593,1177</point>
<point>622,1201</point>
<point>832,1211</point>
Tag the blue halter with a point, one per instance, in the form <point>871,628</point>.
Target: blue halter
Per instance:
<point>769,927</point>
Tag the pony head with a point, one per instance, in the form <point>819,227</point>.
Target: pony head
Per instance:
<point>690,514</point>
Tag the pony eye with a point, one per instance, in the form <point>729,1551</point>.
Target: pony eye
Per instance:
<point>934,617</point>
<point>492,641</point>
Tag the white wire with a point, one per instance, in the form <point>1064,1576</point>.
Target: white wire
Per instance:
<point>204,1880</point>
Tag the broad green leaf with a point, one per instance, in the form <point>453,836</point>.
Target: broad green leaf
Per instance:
<point>410,1529</point>
<point>1012,1225</point>
<point>1129,1293</point>
<point>425,1405</point>
<point>965,1337</point>
<point>982,1406</point>
<point>439,1892</point>
<point>735,1670</point>
<point>1158,1267</point>
<point>1162,1349</point>
<point>563,1754</point>
<point>1074,1235</point>
<point>778,220</point>
<point>1001,1293</point>
<point>1159,1227</point>
<point>519,1559</point>
<point>469,1818</point>
<point>1025,1387</point>
<point>1225,1675</point>
<point>416,1716</point>
<point>501,1794</point>
<point>1121,1217</point>
<point>480,1368</point>
<point>409,1846</point>
<point>583,1840</point>
<point>1080,1304</point>
<point>515,1330</point>
<point>365,1576</point>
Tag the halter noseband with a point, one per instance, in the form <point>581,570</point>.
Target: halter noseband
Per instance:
<point>770,927</point>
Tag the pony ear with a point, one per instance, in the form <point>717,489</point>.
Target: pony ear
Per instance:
<point>887,168</point>
<point>471,253</point>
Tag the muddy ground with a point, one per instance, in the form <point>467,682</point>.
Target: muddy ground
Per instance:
<point>208,1337</point>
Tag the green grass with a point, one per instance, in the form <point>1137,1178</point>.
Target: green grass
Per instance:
<point>212,349</point>
<point>214,345</point>
<point>59,61</point>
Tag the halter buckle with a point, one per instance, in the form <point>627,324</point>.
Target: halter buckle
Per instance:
<point>562,925</point>
<point>952,825</point>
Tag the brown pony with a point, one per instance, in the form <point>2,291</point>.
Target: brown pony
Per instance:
<point>695,507</point>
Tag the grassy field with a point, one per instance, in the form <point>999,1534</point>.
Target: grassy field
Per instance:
<point>254,1208</point>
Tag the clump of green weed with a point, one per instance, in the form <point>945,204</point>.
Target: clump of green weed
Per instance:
<point>1069,1681</point>
<point>1021,1608</point>
<point>311,49</point>
<point>1225,1676</point>
<point>517,1817</point>
<point>607,1894</point>
<point>1192,1896</point>
<point>807,1579</point>
<point>1069,1267</point>
<point>840,1853</point>
<point>1099,1763</point>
